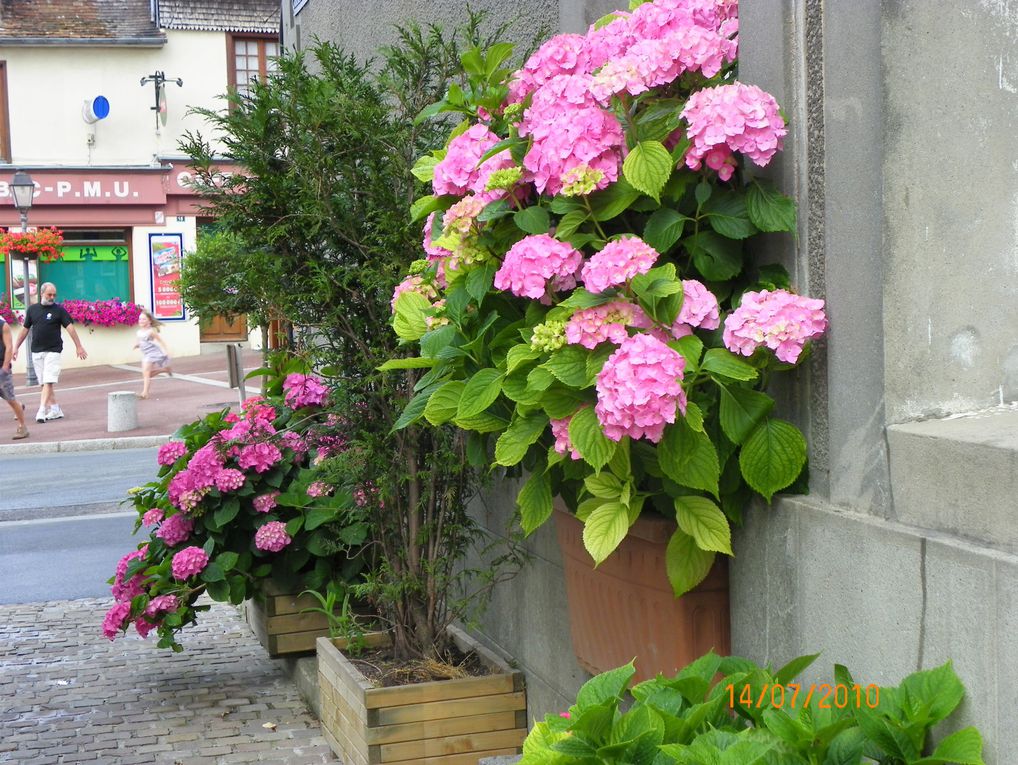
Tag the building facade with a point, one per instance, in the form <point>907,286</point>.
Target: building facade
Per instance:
<point>94,99</point>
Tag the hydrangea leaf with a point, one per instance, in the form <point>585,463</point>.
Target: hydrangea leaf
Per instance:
<point>586,435</point>
<point>704,521</point>
<point>648,168</point>
<point>664,228</point>
<point>740,411</point>
<point>480,392</point>
<point>410,320</point>
<point>533,220</point>
<point>521,434</point>
<point>686,564</point>
<point>689,457</point>
<point>769,209</point>
<point>534,501</point>
<point>604,530</point>
<point>772,457</point>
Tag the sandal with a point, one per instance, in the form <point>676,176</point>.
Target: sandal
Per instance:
<point>22,432</point>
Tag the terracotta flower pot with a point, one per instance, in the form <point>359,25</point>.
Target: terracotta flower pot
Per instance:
<point>625,607</point>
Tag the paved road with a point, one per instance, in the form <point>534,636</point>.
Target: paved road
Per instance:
<point>71,483</point>
<point>62,558</point>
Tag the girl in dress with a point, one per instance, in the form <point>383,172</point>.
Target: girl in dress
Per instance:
<point>155,356</point>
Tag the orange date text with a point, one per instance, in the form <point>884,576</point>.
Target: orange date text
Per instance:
<point>795,696</point>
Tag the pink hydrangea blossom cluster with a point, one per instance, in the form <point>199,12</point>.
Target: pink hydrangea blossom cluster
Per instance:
<point>295,441</point>
<point>617,263</point>
<point>272,537</point>
<point>229,479</point>
<point>125,590</point>
<point>560,430</point>
<point>659,19</point>
<point>263,503</point>
<point>189,562</point>
<point>562,54</point>
<point>639,389</point>
<point>732,118</point>
<point>175,529</point>
<point>259,457</point>
<point>144,626</point>
<point>776,319</point>
<point>537,264</point>
<point>699,309</point>
<point>171,452</point>
<point>591,326</point>
<point>319,489</point>
<point>152,517</point>
<point>366,494</point>
<point>304,390</point>
<point>569,130</point>
<point>189,486</point>
<point>461,170</point>
<point>162,604</point>
<point>115,620</point>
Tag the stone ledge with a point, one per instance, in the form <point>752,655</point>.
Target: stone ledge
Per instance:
<point>958,475</point>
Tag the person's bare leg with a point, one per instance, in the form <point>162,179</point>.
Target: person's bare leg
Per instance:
<point>19,415</point>
<point>46,397</point>
<point>146,378</point>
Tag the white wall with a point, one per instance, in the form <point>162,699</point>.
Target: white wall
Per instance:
<point>47,86</point>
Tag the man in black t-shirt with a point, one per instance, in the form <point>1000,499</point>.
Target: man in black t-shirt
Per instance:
<point>47,318</point>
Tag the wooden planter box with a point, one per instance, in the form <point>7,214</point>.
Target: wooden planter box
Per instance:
<point>276,619</point>
<point>625,607</point>
<point>454,722</point>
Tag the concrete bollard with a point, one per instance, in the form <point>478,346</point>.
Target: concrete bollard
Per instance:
<point>121,411</point>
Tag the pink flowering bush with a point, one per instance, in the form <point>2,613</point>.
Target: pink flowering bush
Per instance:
<point>608,333</point>
<point>103,313</point>
<point>238,499</point>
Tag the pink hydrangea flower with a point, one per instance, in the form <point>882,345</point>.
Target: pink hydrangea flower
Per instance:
<point>304,390</point>
<point>562,54</point>
<point>294,441</point>
<point>699,309</point>
<point>617,263</point>
<point>162,604</point>
<point>437,254</point>
<point>610,41</point>
<point>536,264</point>
<point>152,517</point>
<point>460,171</point>
<point>260,457</point>
<point>412,284</point>
<point>204,465</point>
<point>659,19</point>
<point>189,562</point>
<point>175,529</point>
<point>144,626</point>
<point>263,503</point>
<point>319,489</point>
<point>779,320</point>
<point>116,619</point>
<point>125,591</point>
<point>570,130</point>
<point>639,389</point>
<point>560,430</point>
<point>229,479</point>
<point>170,452</point>
<point>272,537</point>
<point>732,118</point>
<point>591,326</point>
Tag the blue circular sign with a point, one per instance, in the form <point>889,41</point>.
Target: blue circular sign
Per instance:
<point>101,107</point>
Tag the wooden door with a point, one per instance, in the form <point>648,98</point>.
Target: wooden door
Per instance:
<point>219,330</point>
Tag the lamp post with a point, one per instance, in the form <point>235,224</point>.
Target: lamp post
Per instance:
<point>23,188</point>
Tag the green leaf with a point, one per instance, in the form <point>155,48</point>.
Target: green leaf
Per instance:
<point>689,458</point>
<point>219,590</point>
<point>444,402</point>
<point>227,560</point>
<point>648,167</point>
<point>569,365</point>
<point>562,205</point>
<point>580,298</point>
<point>686,564</point>
<point>559,401</point>
<point>586,435</point>
<point>605,529</point>
<point>424,168</point>
<point>495,56</point>
<point>725,363</point>
<point>570,222</point>
<point>519,355</point>
<point>540,379</point>
<point>523,432</point>
<point>479,281</point>
<point>664,229</point>
<point>411,363</point>
<point>691,348</point>
<point>937,689</point>
<point>605,486</point>
<point>213,572</point>
<point>962,748</point>
<point>613,200</point>
<point>846,748</point>
<point>533,220</point>
<point>318,516</point>
<point>772,457</point>
<point>534,501</point>
<point>227,511</point>
<point>741,410</point>
<point>493,211</point>
<point>704,521</point>
<point>703,192</point>
<point>480,392</point>
<point>423,207</point>
<point>485,422</point>
<point>769,209</point>
<point>794,668</point>
<point>414,409</point>
<point>604,687</point>
<point>726,212</point>
<point>410,321</point>
<point>694,417</point>
<point>716,258</point>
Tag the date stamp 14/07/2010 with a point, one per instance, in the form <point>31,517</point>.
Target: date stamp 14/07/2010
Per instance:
<point>793,696</point>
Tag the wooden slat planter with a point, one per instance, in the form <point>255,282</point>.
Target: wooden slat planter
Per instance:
<point>276,619</point>
<point>454,722</point>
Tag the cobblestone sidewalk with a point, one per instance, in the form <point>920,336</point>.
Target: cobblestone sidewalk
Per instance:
<point>69,695</point>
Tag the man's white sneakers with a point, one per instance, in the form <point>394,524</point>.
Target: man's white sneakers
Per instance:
<point>54,413</point>
<point>40,416</point>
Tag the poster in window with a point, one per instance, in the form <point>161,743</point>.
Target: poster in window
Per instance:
<point>166,254</point>
<point>17,282</point>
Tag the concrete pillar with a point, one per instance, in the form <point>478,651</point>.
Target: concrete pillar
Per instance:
<point>121,411</point>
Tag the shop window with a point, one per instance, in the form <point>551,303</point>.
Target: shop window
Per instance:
<point>251,59</point>
<point>96,266</point>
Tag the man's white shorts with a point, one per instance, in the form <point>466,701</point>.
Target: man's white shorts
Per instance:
<point>47,367</point>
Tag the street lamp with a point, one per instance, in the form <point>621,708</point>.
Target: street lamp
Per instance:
<point>23,188</point>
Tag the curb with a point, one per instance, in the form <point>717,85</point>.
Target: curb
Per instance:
<point>85,445</point>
